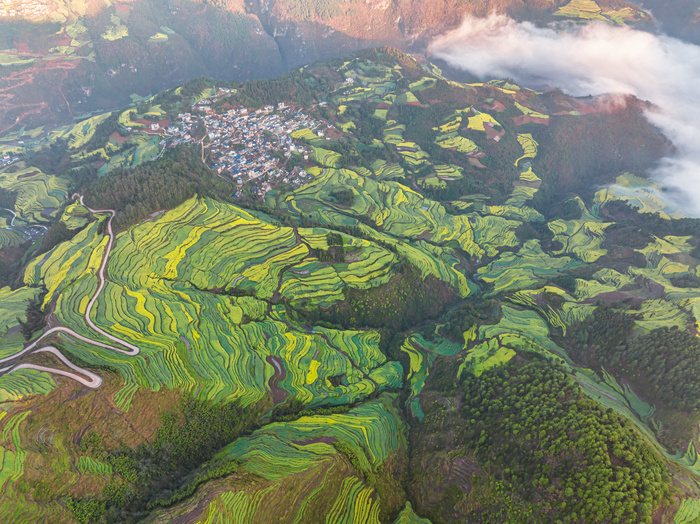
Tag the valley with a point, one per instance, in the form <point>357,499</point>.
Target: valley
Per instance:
<point>357,292</point>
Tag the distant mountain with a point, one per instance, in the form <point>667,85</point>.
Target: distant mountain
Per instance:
<point>62,60</point>
<point>677,18</point>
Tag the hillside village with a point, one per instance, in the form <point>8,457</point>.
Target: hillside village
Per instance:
<point>250,145</point>
<point>6,160</point>
<point>31,10</point>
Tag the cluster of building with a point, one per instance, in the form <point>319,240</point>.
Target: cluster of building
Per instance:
<point>6,160</point>
<point>30,9</point>
<point>252,146</point>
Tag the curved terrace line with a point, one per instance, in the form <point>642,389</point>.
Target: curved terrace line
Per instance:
<point>93,380</point>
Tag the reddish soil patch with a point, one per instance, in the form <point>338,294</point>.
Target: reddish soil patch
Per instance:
<point>417,104</point>
<point>22,47</point>
<point>325,440</point>
<point>118,139</point>
<point>527,119</point>
<point>64,40</point>
<point>383,105</point>
<point>143,121</point>
<point>585,109</point>
<point>496,106</point>
<point>278,395</point>
<point>608,298</point>
<point>492,134</point>
<point>122,8</point>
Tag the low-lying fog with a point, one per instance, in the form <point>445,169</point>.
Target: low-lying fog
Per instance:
<point>595,59</point>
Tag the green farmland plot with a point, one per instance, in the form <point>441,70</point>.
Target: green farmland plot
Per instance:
<point>13,305</point>
<point>75,216</point>
<point>422,354</point>
<point>385,171</point>
<point>524,269</point>
<point>641,193</point>
<point>365,265</point>
<point>568,313</point>
<point>688,512</point>
<point>413,156</point>
<point>457,142</point>
<point>582,238</point>
<point>373,430</point>
<point>38,195</point>
<point>9,237</point>
<point>393,132</point>
<point>397,210</point>
<point>529,146</point>
<point>68,264</point>
<point>408,516</point>
<point>24,383</point>
<point>423,84</point>
<point>78,134</point>
<point>167,294</point>
<point>328,458</point>
<point>523,330</point>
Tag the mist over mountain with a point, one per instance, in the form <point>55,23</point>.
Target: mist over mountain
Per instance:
<point>59,61</point>
<point>592,60</point>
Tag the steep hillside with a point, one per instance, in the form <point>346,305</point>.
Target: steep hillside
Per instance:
<point>357,292</point>
<point>59,61</point>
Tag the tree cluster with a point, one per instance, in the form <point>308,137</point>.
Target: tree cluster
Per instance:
<point>137,192</point>
<point>171,467</point>
<point>563,454</point>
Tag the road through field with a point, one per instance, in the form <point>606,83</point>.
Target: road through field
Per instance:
<point>14,216</point>
<point>92,380</point>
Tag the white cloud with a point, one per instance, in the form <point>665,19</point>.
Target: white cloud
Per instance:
<point>594,59</point>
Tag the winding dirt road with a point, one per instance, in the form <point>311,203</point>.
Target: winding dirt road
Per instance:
<point>92,380</point>
<point>14,216</point>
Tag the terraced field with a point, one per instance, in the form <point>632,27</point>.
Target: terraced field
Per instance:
<point>399,211</point>
<point>590,10</point>
<point>330,456</point>
<point>529,146</point>
<point>13,304</point>
<point>38,195</point>
<point>422,355</point>
<point>78,134</point>
<point>169,293</point>
<point>641,193</point>
<point>524,269</point>
<point>582,238</point>
<point>233,307</point>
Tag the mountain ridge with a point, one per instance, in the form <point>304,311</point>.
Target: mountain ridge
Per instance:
<point>101,55</point>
